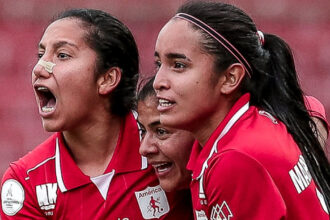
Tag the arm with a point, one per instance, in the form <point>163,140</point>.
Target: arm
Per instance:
<point>239,187</point>
<point>17,198</point>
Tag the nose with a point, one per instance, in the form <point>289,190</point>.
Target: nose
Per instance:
<point>39,71</point>
<point>161,81</point>
<point>148,145</point>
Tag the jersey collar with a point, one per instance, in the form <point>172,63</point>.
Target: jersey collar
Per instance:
<point>126,157</point>
<point>199,155</point>
<point>68,174</point>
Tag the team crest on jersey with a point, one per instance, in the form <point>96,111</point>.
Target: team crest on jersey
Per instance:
<point>47,195</point>
<point>12,197</point>
<point>222,212</point>
<point>152,202</point>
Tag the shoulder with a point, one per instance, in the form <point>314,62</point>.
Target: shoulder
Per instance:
<point>234,177</point>
<point>314,105</point>
<point>232,162</point>
<point>235,172</point>
<point>38,156</point>
<point>316,109</point>
<point>263,138</point>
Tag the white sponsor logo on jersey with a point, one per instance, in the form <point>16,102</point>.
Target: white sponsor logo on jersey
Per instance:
<point>12,197</point>
<point>47,195</point>
<point>222,212</point>
<point>300,175</point>
<point>152,202</point>
<point>200,215</point>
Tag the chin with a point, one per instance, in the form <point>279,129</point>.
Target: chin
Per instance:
<point>168,186</point>
<point>49,127</point>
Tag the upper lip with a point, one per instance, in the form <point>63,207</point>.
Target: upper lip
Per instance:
<point>163,98</point>
<point>157,163</point>
<point>38,85</point>
<point>41,87</point>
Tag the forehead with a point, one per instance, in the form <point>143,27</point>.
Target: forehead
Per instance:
<point>62,30</point>
<point>178,35</point>
<point>147,110</point>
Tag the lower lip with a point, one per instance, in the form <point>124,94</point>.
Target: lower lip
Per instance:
<point>165,173</point>
<point>165,108</point>
<point>46,114</point>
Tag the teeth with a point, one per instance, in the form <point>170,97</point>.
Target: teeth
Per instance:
<point>164,103</point>
<point>158,165</point>
<point>47,109</point>
<point>161,167</point>
<point>42,88</point>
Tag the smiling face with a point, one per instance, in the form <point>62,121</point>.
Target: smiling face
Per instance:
<point>167,150</point>
<point>66,95</point>
<point>186,83</point>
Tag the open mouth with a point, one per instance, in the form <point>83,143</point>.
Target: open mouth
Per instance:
<point>163,167</point>
<point>47,100</point>
<point>164,103</point>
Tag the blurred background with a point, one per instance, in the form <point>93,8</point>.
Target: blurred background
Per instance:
<point>304,24</point>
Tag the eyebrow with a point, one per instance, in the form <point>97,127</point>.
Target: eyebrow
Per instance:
<point>174,56</point>
<point>153,124</point>
<point>59,44</point>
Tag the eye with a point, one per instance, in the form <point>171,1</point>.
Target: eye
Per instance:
<point>142,130</point>
<point>162,133</point>
<point>157,64</point>
<point>179,65</point>
<point>40,54</point>
<point>63,56</point>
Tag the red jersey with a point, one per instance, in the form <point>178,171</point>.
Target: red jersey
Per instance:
<point>316,109</point>
<point>47,184</point>
<point>251,168</point>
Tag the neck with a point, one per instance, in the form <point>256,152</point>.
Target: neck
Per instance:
<point>93,145</point>
<point>205,127</point>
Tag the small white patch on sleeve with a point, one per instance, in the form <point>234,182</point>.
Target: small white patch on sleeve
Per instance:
<point>12,197</point>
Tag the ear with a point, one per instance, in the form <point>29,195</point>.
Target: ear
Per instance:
<point>232,78</point>
<point>109,80</point>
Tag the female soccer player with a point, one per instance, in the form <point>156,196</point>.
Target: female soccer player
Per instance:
<point>256,156</point>
<point>166,149</point>
<point>90,168</point>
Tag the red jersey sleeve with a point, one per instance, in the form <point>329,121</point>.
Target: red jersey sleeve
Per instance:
<point>17,200</point>
<point>238,187</point>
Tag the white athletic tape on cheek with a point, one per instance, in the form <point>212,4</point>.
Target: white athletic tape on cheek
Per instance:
<point>47,65</point>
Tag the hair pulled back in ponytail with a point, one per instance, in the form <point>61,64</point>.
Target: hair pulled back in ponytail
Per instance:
<point>273,85</point>
<point>283,97</point>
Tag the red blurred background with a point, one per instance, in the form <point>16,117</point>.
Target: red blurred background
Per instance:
<point>304,24</point>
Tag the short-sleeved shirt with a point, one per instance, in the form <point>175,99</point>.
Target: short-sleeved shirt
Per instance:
<point>47,184</point>
<point>251,168</point>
